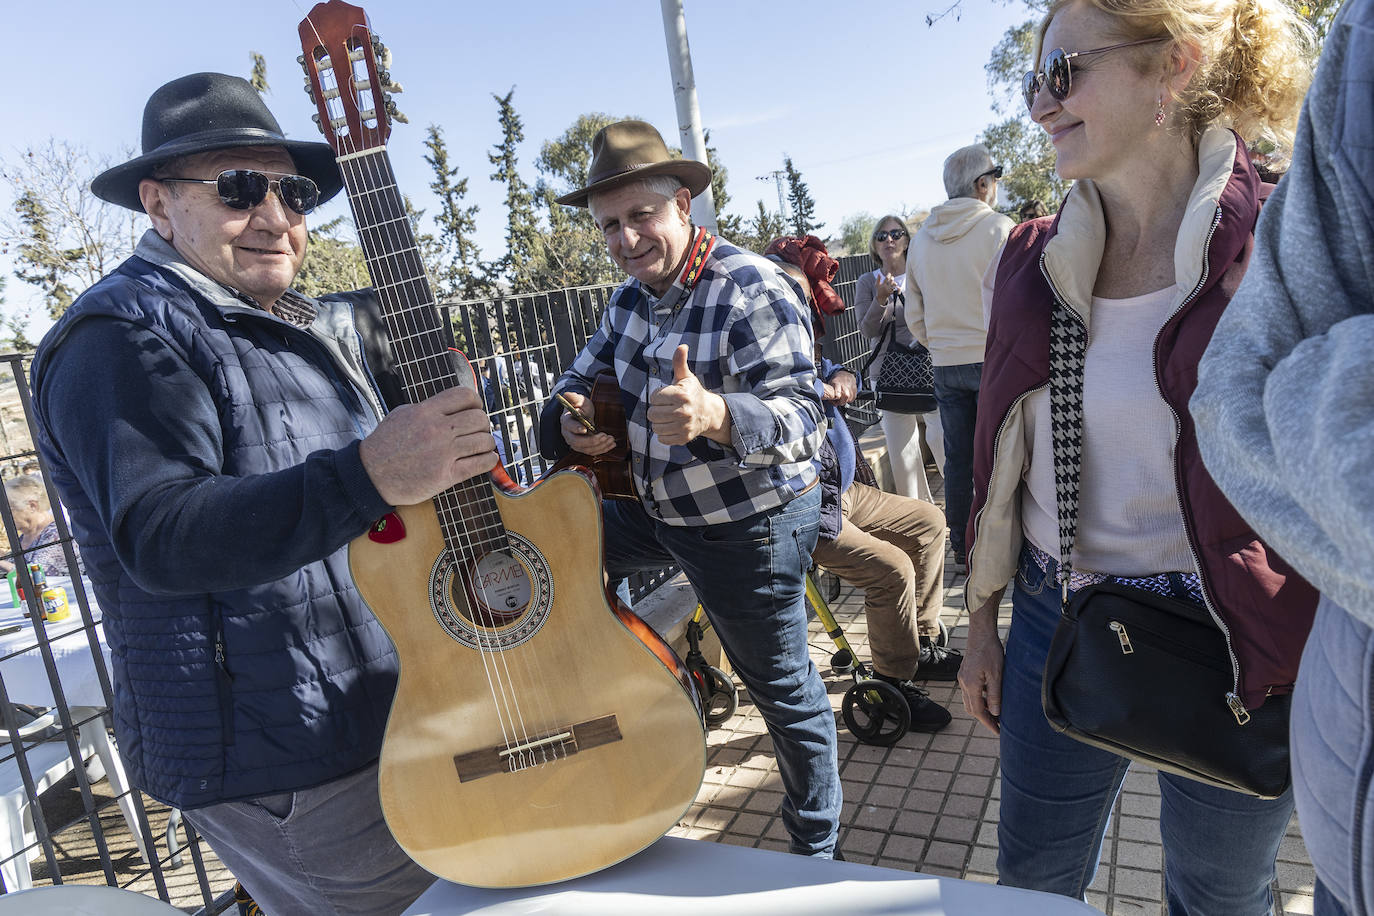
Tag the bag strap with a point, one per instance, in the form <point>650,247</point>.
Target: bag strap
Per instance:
<point>889,332</point>
<point>1068,342</point>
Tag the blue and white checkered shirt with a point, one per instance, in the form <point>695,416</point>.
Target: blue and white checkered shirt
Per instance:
<point>749,341</point>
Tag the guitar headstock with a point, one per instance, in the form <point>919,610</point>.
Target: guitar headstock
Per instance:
<point>350,90</point>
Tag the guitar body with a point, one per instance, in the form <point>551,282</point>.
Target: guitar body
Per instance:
<point>558,817</point>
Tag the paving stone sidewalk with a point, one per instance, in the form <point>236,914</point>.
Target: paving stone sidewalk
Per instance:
<point>930,802</point>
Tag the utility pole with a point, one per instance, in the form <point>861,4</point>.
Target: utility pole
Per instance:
<point>776,175</point>
<point>692,139</point>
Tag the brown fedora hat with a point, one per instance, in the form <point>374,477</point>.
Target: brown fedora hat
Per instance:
<point>630,151</point>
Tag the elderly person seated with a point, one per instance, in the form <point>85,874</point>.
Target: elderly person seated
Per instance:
<point>891,546</point>
<point>33,517</point>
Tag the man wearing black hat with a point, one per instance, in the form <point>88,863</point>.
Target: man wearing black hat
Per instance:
<point>218,440</point>
<point>713,357</point>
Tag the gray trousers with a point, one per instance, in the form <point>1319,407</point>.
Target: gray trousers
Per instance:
<point>317,852</point>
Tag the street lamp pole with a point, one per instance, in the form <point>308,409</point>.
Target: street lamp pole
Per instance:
<point>691,138</point>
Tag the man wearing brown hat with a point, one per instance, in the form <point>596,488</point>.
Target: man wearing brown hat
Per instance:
<point>218,441</point>
<point>713,356</point>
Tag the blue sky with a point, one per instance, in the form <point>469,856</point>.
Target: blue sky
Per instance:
<point>865,98</point>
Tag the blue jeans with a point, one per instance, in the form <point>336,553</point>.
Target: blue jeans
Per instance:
<point>750,577</point>
<point>1057,795</point>
<point>1332,736</point>
<point>956,391</point>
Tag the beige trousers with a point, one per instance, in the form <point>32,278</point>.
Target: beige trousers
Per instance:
<point>893,547</point>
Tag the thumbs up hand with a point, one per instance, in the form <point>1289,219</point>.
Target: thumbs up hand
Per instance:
<point>684,410</point>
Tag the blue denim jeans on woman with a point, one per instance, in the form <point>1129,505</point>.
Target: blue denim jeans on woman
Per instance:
<point>750,577</point>
<point>956,391</point>
<point>1057,794</point>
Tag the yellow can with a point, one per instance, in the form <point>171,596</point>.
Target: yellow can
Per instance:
<point>55,604</point>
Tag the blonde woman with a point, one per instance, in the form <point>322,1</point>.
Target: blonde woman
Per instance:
<point>875,304</point>
<point>1149,104</point>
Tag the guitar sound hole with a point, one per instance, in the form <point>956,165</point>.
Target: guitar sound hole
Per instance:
<point>499,589</point>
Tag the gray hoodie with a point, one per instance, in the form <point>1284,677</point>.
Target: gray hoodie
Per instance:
<point>1285,397</point>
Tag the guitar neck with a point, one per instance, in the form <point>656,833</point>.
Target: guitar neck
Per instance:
<point>468,513</point>
<point>398,274</point>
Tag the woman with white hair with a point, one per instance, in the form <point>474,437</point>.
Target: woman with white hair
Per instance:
<point>876,303</point>
<point>33,516</point>
<point>1149,105</point>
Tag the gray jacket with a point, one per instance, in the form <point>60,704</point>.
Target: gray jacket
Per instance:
<point>1284,404</point>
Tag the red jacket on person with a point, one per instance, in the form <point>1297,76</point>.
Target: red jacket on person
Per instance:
<point>1265,605</point>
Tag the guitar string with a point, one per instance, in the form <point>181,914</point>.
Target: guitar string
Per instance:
<point>365,213</point>
<point>393,323</point>
<point>396,231</point>
<point>406,351</point>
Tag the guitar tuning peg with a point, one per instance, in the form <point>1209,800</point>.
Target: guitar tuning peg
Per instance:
<point>300,59</point>
<point>384,57</point>
<point>393,88</point>
<point>394,112</point>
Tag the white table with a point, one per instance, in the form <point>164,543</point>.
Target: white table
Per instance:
<point>679,877</point>
<point>21,661</point>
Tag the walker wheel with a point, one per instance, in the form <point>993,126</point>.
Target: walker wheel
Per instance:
<point>842,662</point>
<point>876,713</point>
<point>719,699</point>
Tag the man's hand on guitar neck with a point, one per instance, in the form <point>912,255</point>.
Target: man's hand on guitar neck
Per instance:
<point>576,435</point>
<point>420,450</point>
<point>684,410</point>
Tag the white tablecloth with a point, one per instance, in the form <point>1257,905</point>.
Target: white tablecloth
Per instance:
<point>678,877</point>
<point>22,666</point>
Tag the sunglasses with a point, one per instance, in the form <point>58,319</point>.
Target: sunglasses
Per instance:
<point>1057,75</point>
<point>894,234</point>
<point>244,189</point>
<point>995,172</point>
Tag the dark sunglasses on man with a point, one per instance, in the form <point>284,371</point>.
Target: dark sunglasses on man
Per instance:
<point>895,234</point>
<point>244,189</point>
<point>995,172</point>
<point>1057,75</point>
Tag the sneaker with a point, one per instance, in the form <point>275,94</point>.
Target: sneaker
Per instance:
<point>937,662</point>
<point>246,904</point>
<point>926,714</point>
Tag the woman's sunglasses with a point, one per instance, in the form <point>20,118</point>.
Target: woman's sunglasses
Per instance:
<point>244,189</point>
<point>894,234</point>
<point>1057,76</point>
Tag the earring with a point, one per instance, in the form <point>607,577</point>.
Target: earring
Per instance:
<point>1159,115</point>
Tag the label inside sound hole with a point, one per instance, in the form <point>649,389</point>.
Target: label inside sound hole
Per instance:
<point>501,584</point>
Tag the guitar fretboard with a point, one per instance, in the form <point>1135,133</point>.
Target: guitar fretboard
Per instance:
<point>468,514</point>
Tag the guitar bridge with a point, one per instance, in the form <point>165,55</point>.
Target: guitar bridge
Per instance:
<point>537,751</point>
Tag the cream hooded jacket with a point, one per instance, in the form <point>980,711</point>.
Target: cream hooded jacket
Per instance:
<point>944,277</point>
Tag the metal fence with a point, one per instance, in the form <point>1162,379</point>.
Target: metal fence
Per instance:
<point>69,819</point>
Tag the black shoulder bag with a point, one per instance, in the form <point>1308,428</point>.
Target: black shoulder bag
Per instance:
<point>1145,676</point>
<point>906,379</point>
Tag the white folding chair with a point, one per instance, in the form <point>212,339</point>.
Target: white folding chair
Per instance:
<point>48,762</point>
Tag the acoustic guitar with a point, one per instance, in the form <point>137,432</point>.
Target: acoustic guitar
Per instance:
<point>611,469</point>
<point>537,733</point>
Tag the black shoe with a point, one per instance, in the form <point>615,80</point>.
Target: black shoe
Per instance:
<point>960,563</point>
<point>937,662</point>
<point>926,714</point>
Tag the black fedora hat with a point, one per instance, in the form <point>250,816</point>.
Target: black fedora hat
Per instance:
<point>631,151</point>
<point>204,112</point>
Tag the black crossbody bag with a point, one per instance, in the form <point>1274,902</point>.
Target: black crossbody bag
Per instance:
<point>1142,675</point>
<point>906,379</point>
